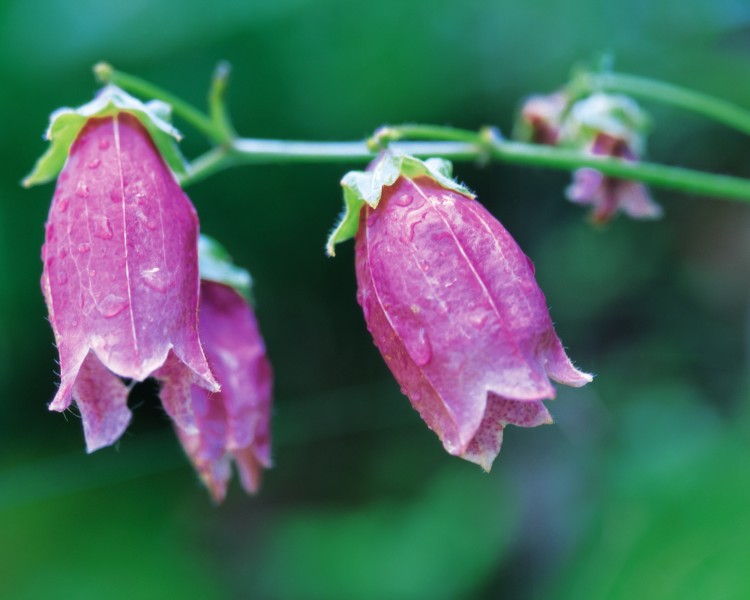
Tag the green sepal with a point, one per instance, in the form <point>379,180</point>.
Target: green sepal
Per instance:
<point>215,264</point>
<point>362,187</point>
<point>66,124</point>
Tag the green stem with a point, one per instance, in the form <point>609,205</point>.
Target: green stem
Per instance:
<point>713,108</point>
<point>106,74</point>
<point>452,143</point>
<point>258,151</point>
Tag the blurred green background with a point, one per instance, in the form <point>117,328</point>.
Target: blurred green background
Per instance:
<point>640,490</point>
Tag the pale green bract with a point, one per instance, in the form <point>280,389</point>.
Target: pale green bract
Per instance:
<point>362,187</point>
<point>215,264</point>
<point>66,124</point>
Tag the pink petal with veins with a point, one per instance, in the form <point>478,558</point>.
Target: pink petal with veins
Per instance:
<point>232,423</point>
<point>453,307</point>
<point>120,260</point>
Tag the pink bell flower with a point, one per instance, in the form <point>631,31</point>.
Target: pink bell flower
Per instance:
<point>121,279</point>
<point>541,117</point>
<point>234,422</point>
<point>609,195</point>
<point>453,306</point>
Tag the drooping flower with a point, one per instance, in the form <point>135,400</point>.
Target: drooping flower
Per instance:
<point>608,195</point>
<point>614,126</point>
<point>232,424</point>
<point>120,271</point>
<point>452,304</point>
<point>541,116</point>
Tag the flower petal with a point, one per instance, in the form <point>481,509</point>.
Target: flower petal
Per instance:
<point>103,401</point>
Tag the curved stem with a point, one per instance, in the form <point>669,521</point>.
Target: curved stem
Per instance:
<point>452,143</point>
<point>713,108</point>
<point>257,151</point>
<point>106,74</point>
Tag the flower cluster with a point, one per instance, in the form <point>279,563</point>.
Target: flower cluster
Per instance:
<point>133,293</point>
<point>122,286</point>
<point>600,125</point>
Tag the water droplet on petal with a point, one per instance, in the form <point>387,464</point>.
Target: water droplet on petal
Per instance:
<point>62,204</point>
<point>112,305</point>
<point>62,277</point>
<point>419,348</point>
<point>63,252</point>
<point>94,164</point>
<point>83,248</point>
<point>404,200</point>
<point>102,227</point>
<point>81,300</point>
<point>477,319</point>
<point>92,273</point>
<point>115,196</point>
<point>156,279</point>
<point>103,144</point>
<point>82,190</point>
<point>411,224</point>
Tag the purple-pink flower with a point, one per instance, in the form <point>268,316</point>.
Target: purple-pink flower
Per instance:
<point>541,117</point>
<point>121,279</point>
<point>454,308</point>
<point>609,195</point>
<point>234,422</point>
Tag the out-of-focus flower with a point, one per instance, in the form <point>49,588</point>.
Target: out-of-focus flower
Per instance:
<point>541,118</point>
<point>232,423</point>
<point>452,305</point>
<point>121,275</point>
<point>614,126</point>
<point>608,195</point>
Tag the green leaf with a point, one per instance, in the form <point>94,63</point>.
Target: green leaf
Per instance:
<point>362,187</point>
<point>215,264</point>
<point>66,124</point>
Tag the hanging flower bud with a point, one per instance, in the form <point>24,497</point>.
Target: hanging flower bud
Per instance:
<point>452,305</point>
<point>120,269</point>
<point>608,195</point>
<point>614,126</point>
<point>541,118</point>
<point>232,424</point>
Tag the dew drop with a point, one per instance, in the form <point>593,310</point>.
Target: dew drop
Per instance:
<point>478,319</point>
<point>74,323</point>
<point>82,190</point>
<point>411,225</point>
<point>112,305</point>
<point>63,252</point>
<point>103,144</point>
<point>84,248</point>
<point>420,348</point>
<point>81,300</point>
<point>156,279</point>
<point>92,273</point>
<point>94,164</point>
<point>102,227</point>
<point>115,196</point>
<point>62,277</point>
<point>62,204</point>
<point>404,200</point>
